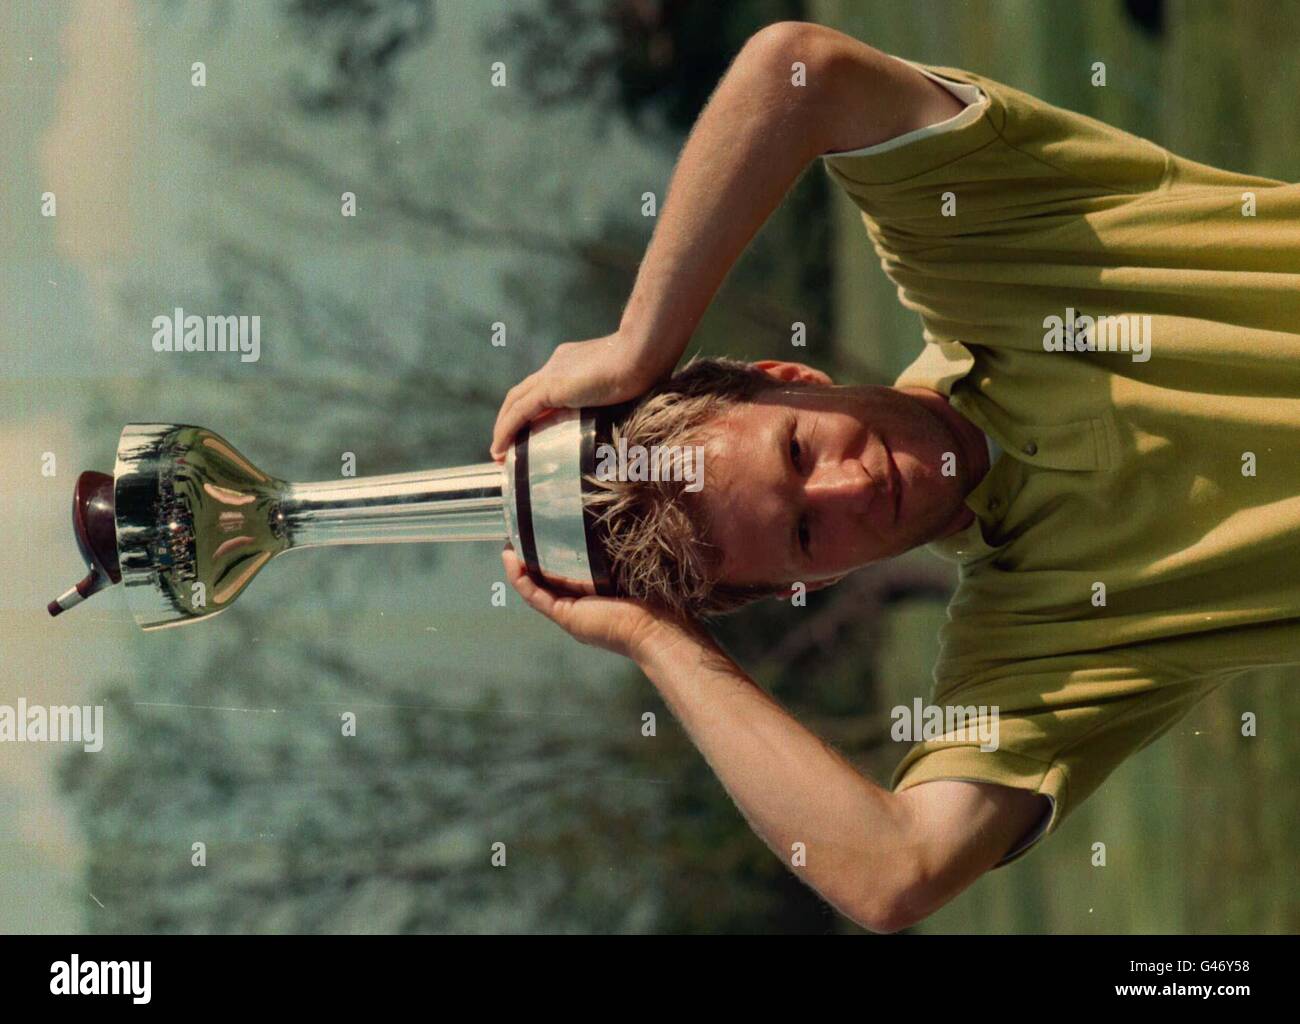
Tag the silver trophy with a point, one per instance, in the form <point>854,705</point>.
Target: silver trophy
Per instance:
<point>186,521</point>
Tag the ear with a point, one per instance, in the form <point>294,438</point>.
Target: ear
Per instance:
<point>794,372</point>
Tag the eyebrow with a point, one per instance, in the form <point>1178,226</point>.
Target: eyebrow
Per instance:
<point>787,426</point>
<point>768,524</point>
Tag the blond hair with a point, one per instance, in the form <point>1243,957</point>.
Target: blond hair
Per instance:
<point>655,538</point>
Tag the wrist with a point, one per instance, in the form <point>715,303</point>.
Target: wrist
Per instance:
<point>651,356</point>
<point>670,643</point>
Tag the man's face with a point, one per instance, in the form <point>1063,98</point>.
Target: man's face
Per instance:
<point>811,481</point>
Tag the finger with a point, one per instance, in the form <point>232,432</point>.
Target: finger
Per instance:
<point>538,598</point>
<point>513,564</point>
<point>508,421</point>
<point>528,409</point>
<point>503,431</point>
<point>521,412</point>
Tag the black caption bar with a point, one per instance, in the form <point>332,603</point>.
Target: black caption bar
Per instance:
<point>146,974</point>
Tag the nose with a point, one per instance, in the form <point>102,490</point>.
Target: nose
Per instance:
<point>845,486</point>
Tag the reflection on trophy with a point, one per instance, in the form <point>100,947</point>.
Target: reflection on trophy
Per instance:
<point>186,521</point>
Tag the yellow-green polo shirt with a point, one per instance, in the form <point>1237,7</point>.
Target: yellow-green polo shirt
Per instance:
<point>1140,537</point>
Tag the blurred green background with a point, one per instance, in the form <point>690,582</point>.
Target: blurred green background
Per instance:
<point>518,205</point>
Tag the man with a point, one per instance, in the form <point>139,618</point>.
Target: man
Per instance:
<point>1099,431</point>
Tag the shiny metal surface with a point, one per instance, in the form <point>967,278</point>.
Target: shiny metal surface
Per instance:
<point>510,501</point>
<point>459,504</point>
<point>555,493</point>
<point>194,521</point>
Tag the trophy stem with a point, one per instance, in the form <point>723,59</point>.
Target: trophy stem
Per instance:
<point>464,503</point>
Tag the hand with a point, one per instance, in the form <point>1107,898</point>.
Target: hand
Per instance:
<point>620,625</point>
<point>602,371</point>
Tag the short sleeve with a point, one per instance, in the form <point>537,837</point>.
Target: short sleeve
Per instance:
<point>1056,732</point>
<point>1022,165</point>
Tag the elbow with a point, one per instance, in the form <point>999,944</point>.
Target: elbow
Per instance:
<point>816,76</point>
<point>783,44</point>
<point>788,36</point>
<point>886,917</point>
<point>887,905</point>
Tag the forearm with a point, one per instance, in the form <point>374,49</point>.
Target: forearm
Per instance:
<point>747,148</point>
<point>790,786</point>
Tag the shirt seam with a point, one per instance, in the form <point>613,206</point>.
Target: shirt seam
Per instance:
<point>918,174</point>
<point>1111,722</point>
<point>1113,189</point>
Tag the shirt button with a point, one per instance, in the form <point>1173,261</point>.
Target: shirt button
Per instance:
<point>1030,448</point>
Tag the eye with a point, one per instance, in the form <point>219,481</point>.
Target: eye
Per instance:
<point>796,451</point>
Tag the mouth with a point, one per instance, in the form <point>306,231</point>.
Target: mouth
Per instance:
<point>895,481</point>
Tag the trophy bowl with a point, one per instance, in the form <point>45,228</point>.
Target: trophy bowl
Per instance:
<point>186,521</point>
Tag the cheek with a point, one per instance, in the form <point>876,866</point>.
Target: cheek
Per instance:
<point>917,465</point>
<point>924,471</point>
<point>841,435</point>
